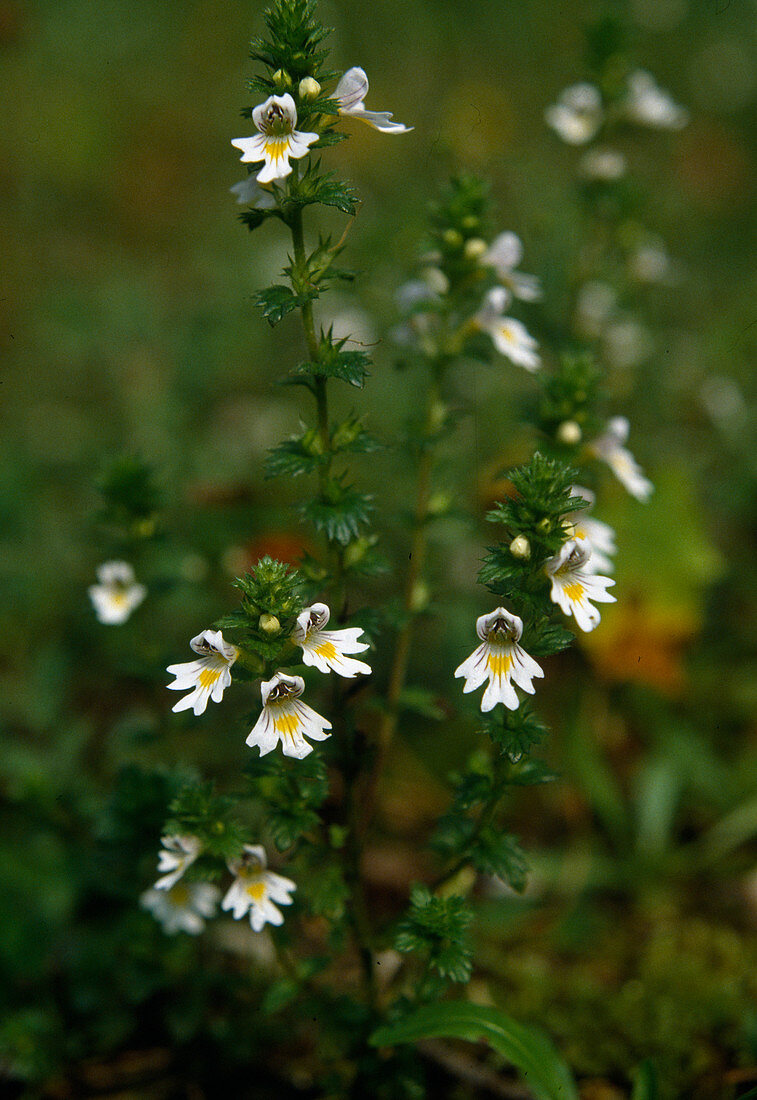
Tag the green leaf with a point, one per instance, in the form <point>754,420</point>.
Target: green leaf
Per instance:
<point>437,925</point>
<point>291,458</point>
<point>341,520</point>
<point>417,700</point>
<point>278,300</point>
<point>526,1048</point>
<point>333,362</point>
<point>500,854</point>
<point>515,732</point>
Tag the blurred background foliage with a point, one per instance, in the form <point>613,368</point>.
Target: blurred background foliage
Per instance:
<point>127,326</point>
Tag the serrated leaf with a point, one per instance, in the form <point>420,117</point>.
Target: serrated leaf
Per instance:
<point>527,1048</point>
<point>501,855</point>
<point>290,459</point>
<point>342,520</point>
<point>278,300</point>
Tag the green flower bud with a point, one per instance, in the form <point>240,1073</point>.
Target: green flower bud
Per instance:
<point>569,433</point>
<point>475,248</point>
<point>520,547</point>
<point>309,88</point>
<point>282,79</point>
<point>269,624</point>
<point>438,504</point>
<point>453,238</point>
<point>419,597</point>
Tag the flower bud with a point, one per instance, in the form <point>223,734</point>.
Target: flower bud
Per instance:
<point>309,88</point>
<point>452,237</point>
<point>269,624</point>
<point>435,279</point>
<point>520,547</point>
<point>569,433</point>
<point>470,221</point>
<point>282,79</point>
<point>475,247</point>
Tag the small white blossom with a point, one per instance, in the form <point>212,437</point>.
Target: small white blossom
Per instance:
<point>504,254</point>
<point>577,115</point>
<point>207,678</point>
<point>327,649</point>
<point>599,535</point>
<point>183,908</point>
<point>178,853</point>
<point>255,889</point>
<point>249,193</point>
<point>500,660</point>
<point>284,718</point>
<point>610,447</point>
<point>277,140</point>
<point>607,165</point>
<point>650,263</point>
<point>117,594</point>
<point>649,105</point>
<point>626,343</point>
<point>510,336</point>
<point>595,303</point>
<point>574,586</point>
<point>350,93</point>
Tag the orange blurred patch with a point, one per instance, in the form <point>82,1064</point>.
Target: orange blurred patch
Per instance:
<point>643,644</point>
<point>283,546</point>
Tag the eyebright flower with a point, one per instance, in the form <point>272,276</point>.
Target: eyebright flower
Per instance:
<point>249,193</point>
<point>117,594</point>
<point>504,254</point>
<point>326,649</point>
<point>350,93</point>
<point>510,336</point>
<point>255,889</point>
<point>573,585</point>
<point>599,535</point>
<point>577,115</point>
<point>178,853</point>
<point>610,448</point>
<point>184,908</point>
<point>277,141</point>
<point>284,718</point>
<point>649,105</point>
<point>500,660</point>
<point>209,677</point>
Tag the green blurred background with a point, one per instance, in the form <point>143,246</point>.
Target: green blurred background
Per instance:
<point>127,326</point>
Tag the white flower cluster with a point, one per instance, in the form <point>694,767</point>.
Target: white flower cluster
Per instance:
<point>575,583</point>
<point>285,718</point>
<point>580,113</point>
<point>184,907</point>
<point>278,141</point>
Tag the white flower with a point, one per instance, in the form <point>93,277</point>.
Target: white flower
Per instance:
<point>117,594</point>
<point>510,336</point>
<point>277,141</point>
<point>177,854</point>
<point>255,889</point>
<point>184,908</point>
<point>573,585</point>
<point>500,660</point>
<point>603,164</point>
<point>504,254</point>
<point>249,193</point>
<point>284,718</point>
<point>350,93</point>
<point>209,677</point>
<point>577,115</point>
<point>599,535</point>
<point>595,303</point>
<point>626,343</point>
<point>650,263</point>
<point>326,649</point>
<point>610,448</point>
<point>648,105</point>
